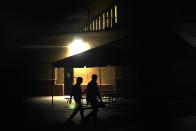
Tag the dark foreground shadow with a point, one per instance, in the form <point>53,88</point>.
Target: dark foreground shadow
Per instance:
<point>113,122</point>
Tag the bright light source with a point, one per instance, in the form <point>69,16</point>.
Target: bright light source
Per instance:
<point>72,106</point>
<point>77,46</point>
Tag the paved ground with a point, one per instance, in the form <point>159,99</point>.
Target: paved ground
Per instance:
<point>39,114</point>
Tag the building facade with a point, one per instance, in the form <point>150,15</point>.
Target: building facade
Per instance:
<point>106,23</point>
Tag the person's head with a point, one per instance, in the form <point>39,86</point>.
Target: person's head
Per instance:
<point>94,77</point>
<point>79,80</point>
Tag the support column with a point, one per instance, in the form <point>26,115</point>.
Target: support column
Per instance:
<point>68,80</point>
<point>100,76</point>
<point>52,86</point>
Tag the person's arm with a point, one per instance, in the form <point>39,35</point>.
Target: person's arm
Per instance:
<point>87,94</point>
<point>70,99</point>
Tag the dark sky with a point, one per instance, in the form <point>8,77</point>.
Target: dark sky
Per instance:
<point>42,10</point>
<point>31,20</point>
<point>28,17</point>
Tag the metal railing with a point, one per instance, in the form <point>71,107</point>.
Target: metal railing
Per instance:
<point>100,25</point>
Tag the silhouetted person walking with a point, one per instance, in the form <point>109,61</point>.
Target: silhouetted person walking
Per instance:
<point>92,95</point>
<point>77,93</point>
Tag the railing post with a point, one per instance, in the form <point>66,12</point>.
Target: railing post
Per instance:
<point>52,86</point>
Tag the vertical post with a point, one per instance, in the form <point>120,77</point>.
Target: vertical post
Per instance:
<point>52,86</point>
<point>68,79</point>
<point>100,75</point>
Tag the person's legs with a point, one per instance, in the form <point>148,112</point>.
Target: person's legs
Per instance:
<point>94,111</point>
<point>73,114</point>
<point>78,107</point>
<point>81,110</point>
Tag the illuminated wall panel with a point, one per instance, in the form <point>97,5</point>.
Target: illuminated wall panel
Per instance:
<point>59,75</point>
<point>107,75</point>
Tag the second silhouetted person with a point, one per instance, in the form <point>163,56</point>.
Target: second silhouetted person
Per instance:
<point>92,95</point>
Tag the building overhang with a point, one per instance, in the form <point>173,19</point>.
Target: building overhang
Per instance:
<point>125,51</point>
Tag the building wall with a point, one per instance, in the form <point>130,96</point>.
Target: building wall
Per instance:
<point>59,75</point>
<point>107,75</point>
<point>120,78</point>
<point>95,39</point>
<point>40,71</point>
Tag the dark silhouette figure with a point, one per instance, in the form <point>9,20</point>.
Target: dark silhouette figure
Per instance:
<point>77,93</point>
<point>92,94</point>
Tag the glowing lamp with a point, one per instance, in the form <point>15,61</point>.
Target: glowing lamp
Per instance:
<point>78,46</point>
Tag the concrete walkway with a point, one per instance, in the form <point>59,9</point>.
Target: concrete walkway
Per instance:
<point>38,114</point>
